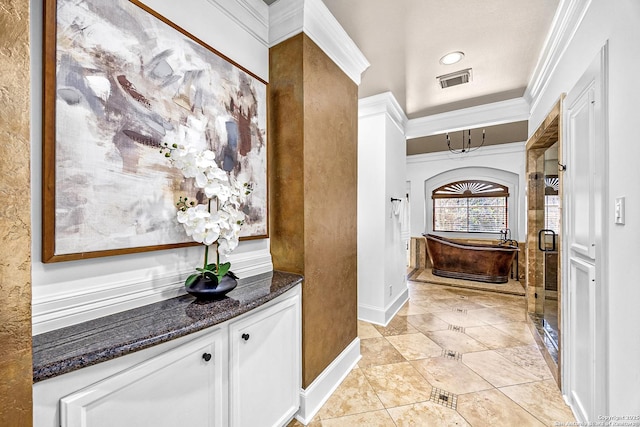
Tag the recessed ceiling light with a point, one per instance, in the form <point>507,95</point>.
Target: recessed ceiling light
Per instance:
<point>451,58</point>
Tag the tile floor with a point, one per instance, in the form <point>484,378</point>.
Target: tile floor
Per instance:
<point>450,357</point>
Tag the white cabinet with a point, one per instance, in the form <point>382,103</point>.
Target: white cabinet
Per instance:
<point>264,366</point>
<point>182,386</point>
<point>245,372</point>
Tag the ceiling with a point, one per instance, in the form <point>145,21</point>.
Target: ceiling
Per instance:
<point>404,40</point>
<point>498,134</point>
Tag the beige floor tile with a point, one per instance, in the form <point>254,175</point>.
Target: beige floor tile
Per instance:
<point>367,330</point>
<point>497,369</point>
<point>353,396</point>
<point>529,358</point>
<point>426,414</point>
<point>313,423</point>
<point>412,306</point>
<point>446,292</point>
<point>492,337</point>
<point>397,326</point>
<point>367,419</point>
<point>398,384</point>
<point>436,306</point>
<point>519,314</point>
<point>550,410</point>
<point>427,322</point>
<point>519,330</point>
<point>415,346</point>
<point>456,341</point>
<point>497,315</point>
<point>427,304</point>
<point>426,276</point>
<point>419,293</point>
<point>459,319</point>
<point>498,351</point>
<point>496,301</point>
<point>450,375</point>
<point>492,408</point>
<point>457,302</point>
<point>378,351</point>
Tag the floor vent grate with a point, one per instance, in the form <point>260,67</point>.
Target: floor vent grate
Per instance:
<point>444,398</point>
<point>451,354</point>
<point>460,310</point>
<point>456,328</point>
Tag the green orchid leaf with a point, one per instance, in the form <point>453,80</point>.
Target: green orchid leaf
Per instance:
<point>223,269</point>
<point>191,279</point>
<point>211,276</point>
<point>210,267</point>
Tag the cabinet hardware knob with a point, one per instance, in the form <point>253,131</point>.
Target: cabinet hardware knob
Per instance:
<point>245,337</point>
<point>206,357</point>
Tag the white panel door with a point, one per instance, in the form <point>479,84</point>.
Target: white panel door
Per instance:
<point>584,328</point>
<point>265,366</point>
<point>182,387</point>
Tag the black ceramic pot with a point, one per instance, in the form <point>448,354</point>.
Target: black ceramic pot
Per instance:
<point>204,288</point>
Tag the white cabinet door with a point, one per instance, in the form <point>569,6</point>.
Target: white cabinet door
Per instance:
<point>182,387</point>
<point>265,366</point>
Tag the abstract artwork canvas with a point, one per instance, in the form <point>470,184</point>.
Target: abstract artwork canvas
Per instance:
<point>120,81</point>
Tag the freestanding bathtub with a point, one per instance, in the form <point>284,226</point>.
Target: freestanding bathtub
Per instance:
<point>482,263</point>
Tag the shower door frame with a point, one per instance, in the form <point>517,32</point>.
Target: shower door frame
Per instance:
<point>548,133</point>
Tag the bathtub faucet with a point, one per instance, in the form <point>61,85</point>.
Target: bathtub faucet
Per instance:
<point>505,235</point>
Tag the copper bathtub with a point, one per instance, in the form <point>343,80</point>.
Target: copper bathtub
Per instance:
<point>478,262</point>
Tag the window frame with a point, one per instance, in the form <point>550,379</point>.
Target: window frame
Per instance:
<point>467,189</point>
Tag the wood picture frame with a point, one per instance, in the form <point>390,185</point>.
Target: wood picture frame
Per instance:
<point>119,81</point>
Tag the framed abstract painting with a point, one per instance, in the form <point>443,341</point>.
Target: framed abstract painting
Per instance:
<point>119,82</point>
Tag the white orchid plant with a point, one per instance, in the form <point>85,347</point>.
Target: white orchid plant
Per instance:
<point>219,226</point>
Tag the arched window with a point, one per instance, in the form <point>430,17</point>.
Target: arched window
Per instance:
<point>470,206</point>
<point>552,203</point>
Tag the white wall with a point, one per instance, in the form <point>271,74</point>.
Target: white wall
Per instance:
<point>371,210</point>
<point>504,164</point>
<point>381,175</point>
<point>74,291</point>
<point>395,256</point>
<point>619,23</point>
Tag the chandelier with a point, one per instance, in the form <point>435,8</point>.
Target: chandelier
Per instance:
<point>466,146</point>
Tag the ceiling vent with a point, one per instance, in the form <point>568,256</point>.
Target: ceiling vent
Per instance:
<point>455,79</point>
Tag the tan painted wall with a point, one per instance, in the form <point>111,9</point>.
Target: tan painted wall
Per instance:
<point>313,193</point>
<point>15,217</point>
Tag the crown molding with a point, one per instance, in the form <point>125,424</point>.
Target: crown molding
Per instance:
<point>489,150</point>
<point>288,18</point>
<point>564,26</point>
<point>384,103</point>
<point>251,15</point>
<point>512,110</point>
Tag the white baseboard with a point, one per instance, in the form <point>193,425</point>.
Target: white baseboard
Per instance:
<point>313,397</point>
<point>66,308</point>
<point>382,316</point>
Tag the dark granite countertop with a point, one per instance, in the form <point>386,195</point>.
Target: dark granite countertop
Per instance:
<point>67,349</point>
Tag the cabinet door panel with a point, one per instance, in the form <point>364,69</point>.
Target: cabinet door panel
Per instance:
<point>265,366</point>
<point>176,388</point>
<point>580,176</point>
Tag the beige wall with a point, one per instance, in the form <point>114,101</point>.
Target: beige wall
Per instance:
<point>313,193</point>
<point>15,216</point>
